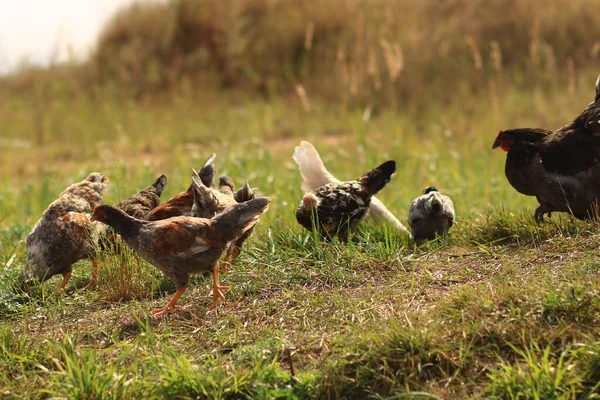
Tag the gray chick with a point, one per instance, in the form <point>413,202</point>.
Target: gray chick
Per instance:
<point>430,215</point>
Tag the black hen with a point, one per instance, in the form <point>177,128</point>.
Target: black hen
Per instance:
<point>560,168</point>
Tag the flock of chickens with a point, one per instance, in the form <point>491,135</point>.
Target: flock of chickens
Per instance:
<point>191,232</point>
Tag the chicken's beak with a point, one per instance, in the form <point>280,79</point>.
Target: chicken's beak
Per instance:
<point>496,145</point>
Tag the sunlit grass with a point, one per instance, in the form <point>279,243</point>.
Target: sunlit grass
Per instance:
<point>501,306</point>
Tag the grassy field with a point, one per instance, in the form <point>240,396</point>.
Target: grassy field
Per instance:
<point>502,308</point>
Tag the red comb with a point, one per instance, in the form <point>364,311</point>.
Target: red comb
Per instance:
<point>95,208</point>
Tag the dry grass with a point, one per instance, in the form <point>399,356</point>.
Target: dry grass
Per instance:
<point>376,54</point>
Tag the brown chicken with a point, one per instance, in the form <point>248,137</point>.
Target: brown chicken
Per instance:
<point>244,194</point>
<point>64,234</point>
<point>137,205</point>
<point>181,246</point>
<point>337,207</point>
<point>181,205</point>
<point>560,168</point>
<point>209,202</point>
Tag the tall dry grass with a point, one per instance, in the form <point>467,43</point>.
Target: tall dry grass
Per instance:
<point>361,52</point>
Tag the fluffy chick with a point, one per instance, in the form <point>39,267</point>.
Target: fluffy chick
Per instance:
<point>430,215</point>
<point>64,234</point>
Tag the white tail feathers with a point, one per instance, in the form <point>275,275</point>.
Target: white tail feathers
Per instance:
<point>314,175</point>
<point>379,212</point>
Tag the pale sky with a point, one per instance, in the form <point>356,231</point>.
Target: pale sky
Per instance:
<point>36,31</point>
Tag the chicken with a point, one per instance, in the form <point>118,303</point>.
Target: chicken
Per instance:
<point>183,202</point>
<point>137,205</point>
<point>244,194</point>
<point>209,202</point>
<point>314,175</point>
<point>430,215</point>
<point>340,206</point>
<point>181,246</point>
<point>140,204</point>
<point>64,234</point>
<point>560,168</point>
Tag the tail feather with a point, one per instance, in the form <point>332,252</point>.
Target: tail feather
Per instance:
<point>313,171</point>
<point>379,213</point>
<point>244,194</point>
<point>435,205</point>
<point>204,198</point>
<point>208,171</point>
<point>239,218</point>
<point>376,179</point>
<point>160,185</point>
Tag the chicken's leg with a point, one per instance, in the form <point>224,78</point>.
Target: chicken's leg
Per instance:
<point>172,304</point>
<point>63,284</point>
<point>217,294</point>
<point>539,213</point>
<point>94,280</point>
<point>230,256</point>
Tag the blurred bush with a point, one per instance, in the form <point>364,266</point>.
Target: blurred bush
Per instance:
<point>359,52</point>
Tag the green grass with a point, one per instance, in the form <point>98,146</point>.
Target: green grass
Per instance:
<point>503,308</point>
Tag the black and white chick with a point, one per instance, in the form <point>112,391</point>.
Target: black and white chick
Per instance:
<point>337,207</point>
<point>430,215</point>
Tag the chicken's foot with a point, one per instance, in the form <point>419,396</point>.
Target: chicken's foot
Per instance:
<point>94,280</point>
<point>217,288</point>
<point>539,213</point>
<point>172,304</point>
<point>230,256</point>
<point>63,283</point>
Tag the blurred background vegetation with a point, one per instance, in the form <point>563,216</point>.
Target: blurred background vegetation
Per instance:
<point>375,53</point>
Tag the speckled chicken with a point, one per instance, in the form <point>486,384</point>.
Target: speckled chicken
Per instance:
<point>314,175</point>
<point>560,168</point>
<point>181,246</point>
<point>339,207</point>
<point>64,234</point>
<point>181,205</point>
<point>430,215</point>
